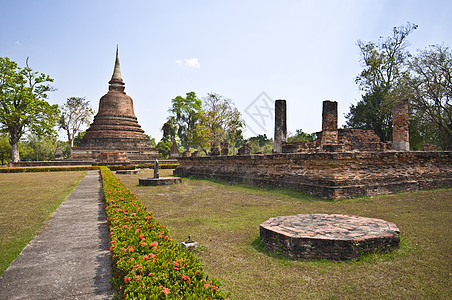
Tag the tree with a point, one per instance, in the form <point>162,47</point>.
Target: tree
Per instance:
<point>185,113</point>
<point>151,141</point>
<point>384,69</point>
<point>301,136</point>
<point>78,138</point>
<point>235,139</point>
<point>219,119</point>
<point>5,148</point>
<point>38,148</point>
<point>384,61</point>
<point>429,85</point>
<point>23,106</point>
<point>164,148</point>
<point>372,113</point>
<point>261,144</point>
<point>75,113</point>
<point>169,129</point>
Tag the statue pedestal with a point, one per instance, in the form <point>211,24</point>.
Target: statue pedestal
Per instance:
<point>159,181</point>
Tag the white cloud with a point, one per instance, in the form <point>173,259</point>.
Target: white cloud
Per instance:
<point>17,42</point>
<point>192,62</point>
<point>189,62</point>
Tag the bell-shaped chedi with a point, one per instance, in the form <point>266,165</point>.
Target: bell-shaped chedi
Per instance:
<point>115,127</point>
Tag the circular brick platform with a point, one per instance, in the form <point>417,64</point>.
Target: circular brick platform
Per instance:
<point>329,236</point>
<point>159,181</point>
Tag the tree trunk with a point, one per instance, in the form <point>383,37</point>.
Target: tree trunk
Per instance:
<point>14,141</point>
<point>70,139</point>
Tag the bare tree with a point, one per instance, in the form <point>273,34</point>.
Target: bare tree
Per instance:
<point>430,86</point>
<point>75,113</point>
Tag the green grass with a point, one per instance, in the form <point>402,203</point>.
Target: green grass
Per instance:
<point>27,200</point>
<point>225,220</point>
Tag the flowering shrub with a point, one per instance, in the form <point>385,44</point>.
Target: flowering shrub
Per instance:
<point>147,264</point>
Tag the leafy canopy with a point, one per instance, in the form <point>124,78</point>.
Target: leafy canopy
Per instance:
<point>23,106</point>
<point>220,121</point>
<point>384,70</point>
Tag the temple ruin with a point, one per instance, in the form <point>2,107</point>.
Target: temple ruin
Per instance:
<point>338,164</point>
<point>115,135</point>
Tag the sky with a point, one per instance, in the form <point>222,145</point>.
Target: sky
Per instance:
<point>252,52</point>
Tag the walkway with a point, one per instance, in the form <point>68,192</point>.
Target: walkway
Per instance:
<point>70,258</point>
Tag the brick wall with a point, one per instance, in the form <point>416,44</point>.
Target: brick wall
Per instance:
<point>336,175</point>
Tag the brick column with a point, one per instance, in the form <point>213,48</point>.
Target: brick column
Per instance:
<point>329,123</point>
<point>400,132</point>
<point>280,125</point>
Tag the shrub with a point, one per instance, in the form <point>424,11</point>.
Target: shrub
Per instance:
<point>147,264</point>
<point>47,169</point>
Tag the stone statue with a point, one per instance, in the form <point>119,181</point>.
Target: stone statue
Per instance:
<point>156,169</point>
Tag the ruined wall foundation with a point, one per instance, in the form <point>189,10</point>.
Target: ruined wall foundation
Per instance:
<point>338,175</point>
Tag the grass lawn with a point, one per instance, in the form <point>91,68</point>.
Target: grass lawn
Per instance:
<point>225,220</point>
<point>26,202</point>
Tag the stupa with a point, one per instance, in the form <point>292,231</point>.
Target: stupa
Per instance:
<point>115,135</point>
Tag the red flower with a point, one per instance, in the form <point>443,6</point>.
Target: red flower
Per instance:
<point>206,285</point>
<point>165,291</point>
<point>141,236</point>
<point>184,277</point>
<point>127,279</point>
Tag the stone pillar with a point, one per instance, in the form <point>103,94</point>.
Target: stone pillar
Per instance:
<point>174,151</point>
<point>400,133</point>
<point>280,125</point>
<point>329,123</point>
<point>156,169</point>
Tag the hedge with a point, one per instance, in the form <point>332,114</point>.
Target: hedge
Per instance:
<point>147,263</point>
<point>83,168</point>
<point>47,169</point>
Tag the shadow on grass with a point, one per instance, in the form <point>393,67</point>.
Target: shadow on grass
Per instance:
<point>406,248</point>
<point>262,189</point>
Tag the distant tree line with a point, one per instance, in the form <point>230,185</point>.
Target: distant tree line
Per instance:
<point>28,123</point>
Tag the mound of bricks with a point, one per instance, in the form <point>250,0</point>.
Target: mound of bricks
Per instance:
<point>328,236</point>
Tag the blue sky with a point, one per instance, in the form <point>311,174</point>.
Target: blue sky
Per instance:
<point>301,51</point>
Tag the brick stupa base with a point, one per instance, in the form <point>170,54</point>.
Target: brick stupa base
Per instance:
<point>112,157</point>
<point>329,236</point>
<point>159,181</point>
